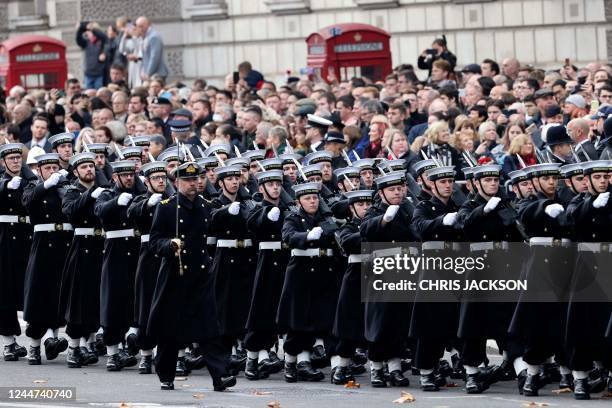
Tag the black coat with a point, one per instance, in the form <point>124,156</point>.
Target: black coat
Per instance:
<point>183,307</point>
<point>385,320</point>
<point>15,242</point>
<point>148,262</point>
<point>435,319</point>
<point>309,295</point>
<point>80,292</point>
<point>47,256</point>
<point>233,268</point>
<point>270,272</point>
<point>119,262</point>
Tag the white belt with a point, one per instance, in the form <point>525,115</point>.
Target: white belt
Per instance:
<point>15,219</point>
<point>594,247</point>
<point>549,241</point>
<point>234,243</point>
<point>486,246</point>
<point>358,258</point>
<point>271,245</point>
<point>88,231</point>
<point>120,233</point>
<point>440,245</point>
<point>52,227</point>
<point>145,238</point>
<point>389,252</point>
<point>211,240</point>
<point>312,252</point>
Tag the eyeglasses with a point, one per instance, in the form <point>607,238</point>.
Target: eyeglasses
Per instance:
<point>158,178</point>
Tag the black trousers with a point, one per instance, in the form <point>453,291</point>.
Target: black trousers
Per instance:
<point>143,340</point>
<point>474,351</point>
<point>76,331</point>
<point>258,340</point>
<point>37,331</point>
<point>213,351</point>
<point>539,349</point>
<point>114,335</point>
<point>386,350</point>
<point>429,351</point>
<point>296,342</point>
<point>9,323</point>
<point>346,348</point>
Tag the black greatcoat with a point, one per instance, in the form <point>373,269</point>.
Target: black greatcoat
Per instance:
<point>183,308</point>
<point>271,266</point>
<point>430,319</point>
<point>15,242</point>
<point>387,320</point>
<point>119,262</point>
<point>490,320</point>
<point>233,268</point>
<point>309,296</point>
<point>349,320</point>
<point>148,262</point>
<point>549,265</point>
<point>80,293</point>
<point>47,257</point>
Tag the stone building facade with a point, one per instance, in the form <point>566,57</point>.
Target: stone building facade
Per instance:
<point>208,38</point>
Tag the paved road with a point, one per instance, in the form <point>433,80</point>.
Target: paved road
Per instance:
<point>96,387</point>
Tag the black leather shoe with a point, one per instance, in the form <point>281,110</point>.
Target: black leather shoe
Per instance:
<point>610,383</point>
<point>181,370</point>
<point>458,371</point>
<point>444,368</point>
<point>318,358</point>
<point>237,364</point>
<point>10,354</point>
<point>225,382</point>
<point>428,382</point>
<point>475,384</point>
<point>290,372</point>
<point>54,346</point>
<point>341,376</point>
<point>597,382</point>
<point>532,385</point>
<point>132,347</point>
<point>504,372</point>
<point>100,346</point>
<point>251,371</point>
<point>306,372</point>
<point>74,358</point>
<point>406,365</point>
<point>520,380</point>
<point>264,367</point>
<point>359,357</point>
<point>397,379</point>
<point>356,369</point>
<point>439,379</point>
<point>89,356</point>
<point>127,360</point>
<point>167,385</point>
<point>114,363</point>
<point>194,360</point>
<point>566,381</point>
<point>20,350</point>
<point>277,363</point>
<point>34,355</point>
<point>581,389</point>
<point>377,378</point>
<point>146,365</point>
<point>551,374</point>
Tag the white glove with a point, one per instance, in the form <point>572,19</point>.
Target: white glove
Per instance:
<point>390,213</point>
<point>142,178</point>
<point>52,180</point>
<point>96,193</point>
<point>63,172</point>
<point>601,200</point>
<point>314,234</point>
<point>154,199</point>
<point>234,208</point>
<point>492,204</point>
<point>124,199</point>
<point>14,183</point>
<point>553,210</point>
<point>449,219</point>
<point>274,214</point>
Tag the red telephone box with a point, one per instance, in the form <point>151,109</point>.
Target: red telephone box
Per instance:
<point>348,50</point>
<point>34,62</point>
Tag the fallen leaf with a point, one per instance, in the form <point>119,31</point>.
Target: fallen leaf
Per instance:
<point>39,381</point>
<point>607,395</point>
<point>123,405</point>
<point>451,385</point>
<point>562,391</point>
<point>535,404</point>
<point>352,384</point>
<point>405,397</point>
<point>180,379</point>
<point>273,404</point>
<point>255,392</point>
<point>198,395</point>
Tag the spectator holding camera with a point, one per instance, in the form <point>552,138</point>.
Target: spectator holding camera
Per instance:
<point>438,51</point>
<point>92,41</point>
